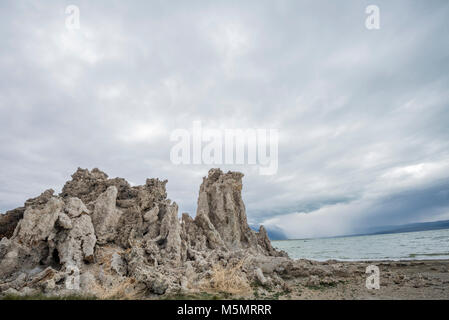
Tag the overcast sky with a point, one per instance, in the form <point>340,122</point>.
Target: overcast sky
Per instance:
<point>363,115</point>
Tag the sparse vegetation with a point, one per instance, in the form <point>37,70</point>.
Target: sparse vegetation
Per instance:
<point>123,291</point>
<point>322,286</point>
<point>197,296</point>
<point>229,279</point>
<point>41,296</point>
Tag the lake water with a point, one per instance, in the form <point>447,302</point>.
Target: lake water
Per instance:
<point>432,244</point>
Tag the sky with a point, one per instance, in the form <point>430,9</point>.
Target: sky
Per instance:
<point>362,114</point>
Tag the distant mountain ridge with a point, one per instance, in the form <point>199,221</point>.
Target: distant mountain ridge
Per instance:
<point>411,227</point>
<point>276,233</point>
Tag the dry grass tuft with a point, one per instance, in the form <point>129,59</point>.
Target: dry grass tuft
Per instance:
<point>123,291</point>
<point>229,279</point>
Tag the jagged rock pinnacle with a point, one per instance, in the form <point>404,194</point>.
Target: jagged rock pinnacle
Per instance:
<point>101,233</point>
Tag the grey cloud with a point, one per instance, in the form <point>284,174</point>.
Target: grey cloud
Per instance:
<point>351,105</point>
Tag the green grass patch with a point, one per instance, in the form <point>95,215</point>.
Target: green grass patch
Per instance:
<point>197,296</point>
<point>41,296</point>
<point>322,286</point>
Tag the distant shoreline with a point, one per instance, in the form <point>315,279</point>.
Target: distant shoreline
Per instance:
<point>361,234</point>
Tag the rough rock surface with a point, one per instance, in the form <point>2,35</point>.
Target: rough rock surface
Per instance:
<point>9,221</point>
<point>103,237</point>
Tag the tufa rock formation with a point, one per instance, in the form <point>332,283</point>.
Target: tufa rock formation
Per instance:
<point>106,238</point>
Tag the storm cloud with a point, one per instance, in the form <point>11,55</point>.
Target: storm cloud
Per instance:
<point>362,114</point>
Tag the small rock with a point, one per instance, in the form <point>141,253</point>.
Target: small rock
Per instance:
<point>313,281</point>
<point>260,277</point>
<point>64,221</point>
<point>117,264</point>
<point>10,292</point>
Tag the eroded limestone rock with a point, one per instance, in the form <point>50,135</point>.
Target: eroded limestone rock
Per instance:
<point>104,237</point>
<point>9,221</point>
<point>38,223</point>
<point>106,216</point>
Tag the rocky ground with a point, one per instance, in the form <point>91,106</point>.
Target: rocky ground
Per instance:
<point>102,238</point>
<point>334,280</point>
<point>398,280</point>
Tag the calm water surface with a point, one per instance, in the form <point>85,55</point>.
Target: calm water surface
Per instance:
<point>432,244</point>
